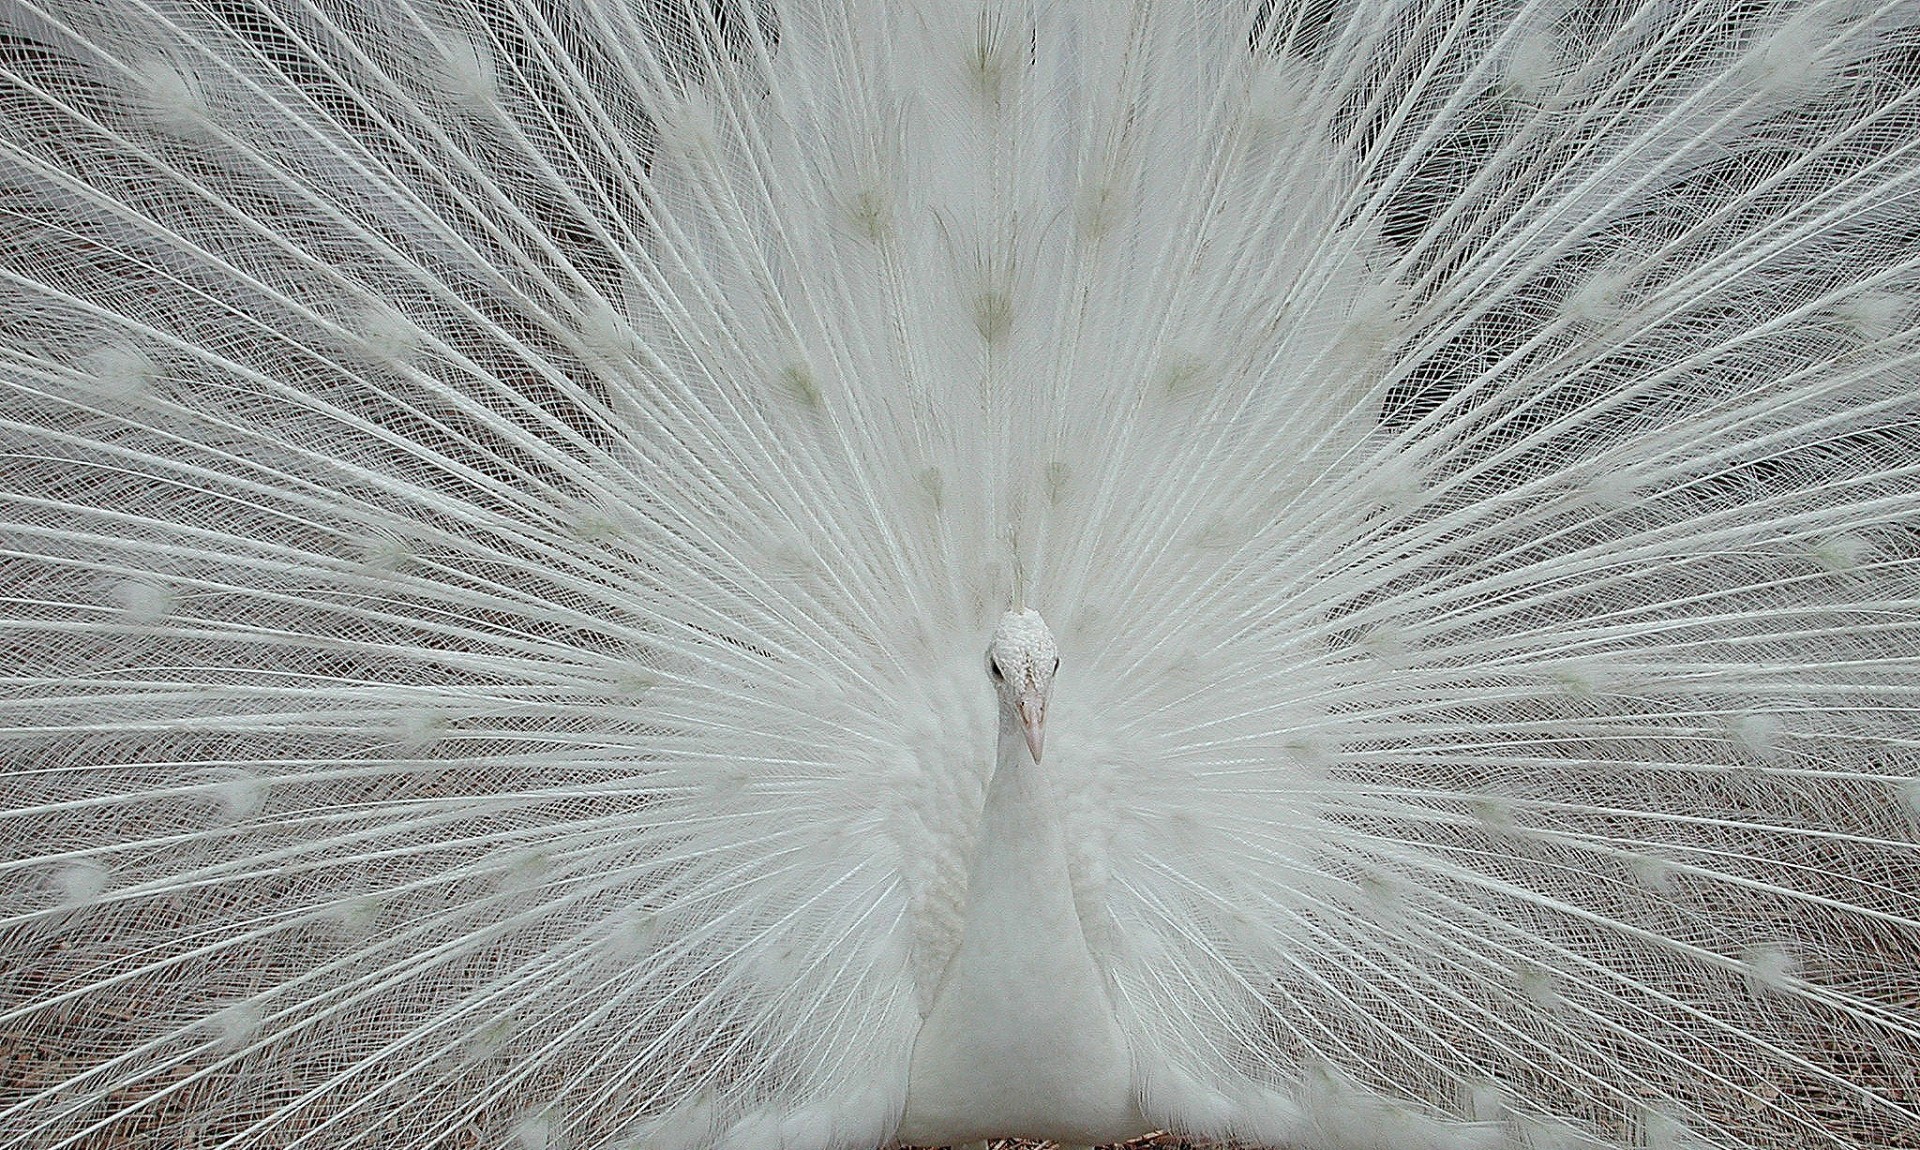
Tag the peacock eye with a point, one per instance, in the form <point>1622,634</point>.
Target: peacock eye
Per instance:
<point>1056,662</point>
<point>993,669</point>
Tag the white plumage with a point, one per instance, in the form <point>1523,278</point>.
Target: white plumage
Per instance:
<point>504,504</point>
<point>1022,1034</point>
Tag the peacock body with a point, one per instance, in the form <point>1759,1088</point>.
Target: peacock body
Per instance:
<point>504,504</point>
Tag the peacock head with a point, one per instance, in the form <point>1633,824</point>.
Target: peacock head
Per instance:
<point>1021,661</point>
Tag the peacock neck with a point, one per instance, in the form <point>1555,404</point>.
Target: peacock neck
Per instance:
<point>1020,879</point>
<point>1022,1040</point>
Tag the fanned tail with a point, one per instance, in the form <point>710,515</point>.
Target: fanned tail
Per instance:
<point>503,504</point>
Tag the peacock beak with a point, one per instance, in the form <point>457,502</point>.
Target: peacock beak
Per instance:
<point>1033,717</point>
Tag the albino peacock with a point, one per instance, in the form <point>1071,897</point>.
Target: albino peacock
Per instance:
<point>504,503</point>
